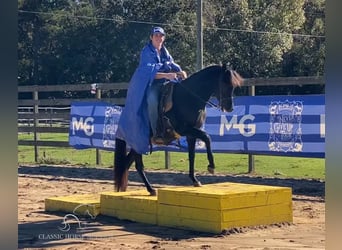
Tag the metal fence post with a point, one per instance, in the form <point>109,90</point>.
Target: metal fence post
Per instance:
<point>167,159</point>
<point>98,154</point>
<point>35,125</point>
<point>251,166</point>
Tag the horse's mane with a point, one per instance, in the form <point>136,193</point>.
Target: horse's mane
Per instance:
<point>236,78</point>
<point>199,73</point>
<point>207,68</point>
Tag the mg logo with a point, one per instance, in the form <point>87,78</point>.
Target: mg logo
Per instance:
<point>86,125</point>
<point>245,129</point>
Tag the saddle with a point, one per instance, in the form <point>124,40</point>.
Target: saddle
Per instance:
<point>165,131</point>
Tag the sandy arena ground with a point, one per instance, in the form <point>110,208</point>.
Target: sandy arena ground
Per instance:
<point>39,229</point>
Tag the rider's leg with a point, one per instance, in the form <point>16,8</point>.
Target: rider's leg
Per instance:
<point>152,105</point>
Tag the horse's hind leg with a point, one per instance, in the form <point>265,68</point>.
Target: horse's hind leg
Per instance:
<point>191,152</point>
<point>139,165</point>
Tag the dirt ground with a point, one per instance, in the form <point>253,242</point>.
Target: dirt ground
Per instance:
<point>39,229</point>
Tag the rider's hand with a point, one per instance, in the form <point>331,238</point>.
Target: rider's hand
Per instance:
<point>182,74</point>
<point>171,76</point>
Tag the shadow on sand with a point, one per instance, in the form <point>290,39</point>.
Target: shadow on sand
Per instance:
<point>299,186</point>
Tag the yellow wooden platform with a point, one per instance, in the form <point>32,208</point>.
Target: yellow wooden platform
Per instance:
<point>83,204</point>
<point>136,206</point>
<point>213,208</point>
<point>210,208</point>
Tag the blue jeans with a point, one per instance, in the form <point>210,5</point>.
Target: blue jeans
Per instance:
<point>153,95</point>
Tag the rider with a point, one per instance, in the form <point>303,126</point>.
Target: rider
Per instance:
<point>140,114</point>
<point>167,72</point>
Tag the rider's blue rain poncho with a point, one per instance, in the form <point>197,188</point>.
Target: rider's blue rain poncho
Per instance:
<point>134,125</point>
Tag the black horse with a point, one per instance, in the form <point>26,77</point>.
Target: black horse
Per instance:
<point>187,115</point>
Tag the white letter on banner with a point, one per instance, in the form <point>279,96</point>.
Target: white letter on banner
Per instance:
<point>249,129</point>
<point>76,125</point>
<point>322,126</point>
<point>238,125</point>
<point>225,123</point>
<point>85,126</point>
<point>89,129</point>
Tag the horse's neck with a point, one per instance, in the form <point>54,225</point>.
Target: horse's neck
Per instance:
<point>204,83</point>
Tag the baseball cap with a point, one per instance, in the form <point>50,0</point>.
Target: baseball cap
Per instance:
<point>158,30</point>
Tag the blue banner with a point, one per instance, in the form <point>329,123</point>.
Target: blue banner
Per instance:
<point>269,125</point>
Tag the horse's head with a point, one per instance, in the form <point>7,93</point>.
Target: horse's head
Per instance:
<point>229,80</point>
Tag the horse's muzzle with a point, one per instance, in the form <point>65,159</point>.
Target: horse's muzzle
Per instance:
<point>228,110</point>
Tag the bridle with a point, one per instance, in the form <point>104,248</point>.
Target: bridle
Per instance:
<point>220,97</point>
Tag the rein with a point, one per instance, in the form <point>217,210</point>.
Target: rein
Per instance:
<point>213,105</point>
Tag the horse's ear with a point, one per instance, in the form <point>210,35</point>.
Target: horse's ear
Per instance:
<point>224,66</point>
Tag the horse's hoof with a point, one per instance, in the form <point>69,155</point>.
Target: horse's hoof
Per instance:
<point>153,192</point>
<point>197,184</point>
<point>211,170</point>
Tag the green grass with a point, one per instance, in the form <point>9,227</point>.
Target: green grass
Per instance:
<point>45,136</point>
<point>272,166</point>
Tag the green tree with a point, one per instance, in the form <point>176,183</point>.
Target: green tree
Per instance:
<point>41,26</point>
<point>29,49</point>
<point>307,56</point>
<point>253,35</point>
<point>87,41</point>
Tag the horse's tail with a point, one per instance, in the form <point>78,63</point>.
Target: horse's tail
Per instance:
<point>120,166</point>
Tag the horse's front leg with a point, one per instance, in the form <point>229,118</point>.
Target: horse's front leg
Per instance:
<point>191,153</point>
<point>200,134</point>
<point>210,156</point>
<point>139,165</point>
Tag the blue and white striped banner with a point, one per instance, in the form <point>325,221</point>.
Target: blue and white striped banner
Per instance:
<point>93,125</point>
<point>271,125</point>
